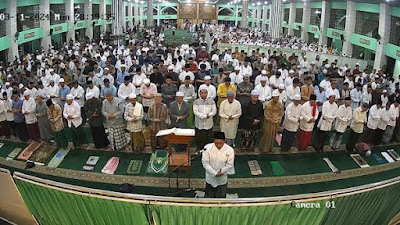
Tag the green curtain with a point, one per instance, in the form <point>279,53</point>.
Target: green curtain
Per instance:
<point>53,207</point>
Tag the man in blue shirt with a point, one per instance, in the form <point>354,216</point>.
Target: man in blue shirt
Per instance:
<point>63,92</point>
<point>19,118</point>
<point>107,87</point>
<point>121,74</point>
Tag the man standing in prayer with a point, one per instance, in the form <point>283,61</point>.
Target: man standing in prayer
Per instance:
<point>125,89</point>
<point>8,104</point>
<point>72,113</point>
<point>19,118</point>
<point>223,89</point>
<point>134,117</point>
<point>393,115</point>
<point>212,92</point>
<point>204,109</point>
<point>273,113</point>
<point>158,113</point>
<point>308,116</point>
<point>251,120</point>
<point>43,120</point>
<point>343,118</point>
<point>244,89</point>
<point>329,109</point>
<point>264,90</point>
<point>218,161</point>
<point>374,116</point>
<point>307,89</point>
<point>230,111</point>
<point>179,111</point>
<point>28,109</point>
<point>357,126</point>
<point>168,91</point>
<point>291,123</point>
<point>113,111</point>
<point>79,96</point>
<point>147,91</point>
<point>93,112</point>
<point>55,116</point>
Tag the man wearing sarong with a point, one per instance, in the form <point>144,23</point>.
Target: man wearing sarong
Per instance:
<point>329,109</point>
<point>5,130</point>
<point>158,113</point>
<point>230,111</point>
<point>357,126</point>
<point>72,113</point>
<point>28,109</point>
<point>204,110</point>
<point>93,112</point>
<point>393,115</point>
<point>43,121</point>
<point>273,113</point>
<point>8,103</point>
<point>113,111</point>
<point>251,120</point>
<point>19,118</point>
<point>134,118</point>
<point>218,161</point>
<point>342,121</point>
<point>55,116</point>
<point>291,123</point>
<point>179,111</point>
<point>308,116</point>
<point>374,116</point>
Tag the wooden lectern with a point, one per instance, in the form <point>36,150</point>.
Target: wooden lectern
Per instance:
<point>180,137</point>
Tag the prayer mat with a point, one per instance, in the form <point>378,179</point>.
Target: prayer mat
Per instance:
<point>58,158</point>
<point>378,158</point>
<point>29,150</point>
<point>1,144</point>
<point>14,153</point>
<point>147,136</point>
<point>40,156</point>
<point>111,165</point>
<point>134,166</point>
<point>277,169</point>
<point>387,157</point>
<point>158,163</point>
<point>331,166</point>
<point>232,196</point>
<point>359,160</point>
<point>91,163</point>
<point>255,169</point>
<point>394,154</point>
<point>278,139</point>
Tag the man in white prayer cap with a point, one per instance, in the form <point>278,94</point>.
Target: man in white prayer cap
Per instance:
<point>291,123</point>
<point>273,112</point>
<point>72,113</point>
<point>134,118</point>
<point>28,109</point>
<point>179,111</point>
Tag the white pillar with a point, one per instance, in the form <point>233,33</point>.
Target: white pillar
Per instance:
<point>350,28</point>
<point>102,14</point>
<point>384,32</point>
<point>306,20</point>
<point>245,13</point>
<point>11,29</point>
<point>89,17</point>
<point>136,13</point>
<point>292,17</point>
<point>275,18</point>
<point>150,20</point>
<point>264,17</point>
<point>158,14</point>
<point>69,11</point>
<point>124,15</point>
<point>325,17</point>
<point>44,8</point>
<point>259,16</point>
<point>130,14</point>
<point>236,15</point>
<point>141,13</point>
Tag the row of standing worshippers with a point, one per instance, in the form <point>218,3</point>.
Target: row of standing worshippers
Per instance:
<point>28,119</point>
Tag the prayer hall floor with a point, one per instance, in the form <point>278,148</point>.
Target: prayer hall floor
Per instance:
<point>303,173</point>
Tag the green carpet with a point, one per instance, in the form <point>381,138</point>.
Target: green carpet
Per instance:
<point>179,37</point>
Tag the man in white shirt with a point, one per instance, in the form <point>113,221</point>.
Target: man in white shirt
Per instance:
<point>374,117</point>
<point>275,80</point>
<point>218,161</point>
<point>262,75</point>
<point>212,91</point>
<point>383,123</point>
<point>356,96</point>
<point>125,89</point>
<point>264,89</point>
<point>236,77</point>
<point>79,96</point>
<point>329,109</point>
<point>53,91</point>
<point>291,123</point>
<point>185,73</point>
<point>343,117</point>
<point>72,113</point>
<point>293,90</point>
<point>393,114</point>
<point>93,88</point>
<point>204,110</point>
<point>28,109</point>
<point>246,69</point>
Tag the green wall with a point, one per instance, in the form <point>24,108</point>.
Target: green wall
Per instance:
<point>59,28</point>
<point>368,7</point>
<point>334,33</point>
<point>338,5</point>
<point>26,2</point>
<point>97,2</point>
<point>79,1</point>
<point>364,41</point>
<point>3,4</point>
<point>392,51</point>
<point>296,26</point>
<point>299,5</point>
<point>313,29</point>
<point>4,43</point>
<point>57,1</point>
<point>286,6</point>
<point>80,24</point>
<point>30,35</point>
<point>316,5</point>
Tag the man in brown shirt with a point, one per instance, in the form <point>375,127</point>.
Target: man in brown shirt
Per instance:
<point>306,90</point>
